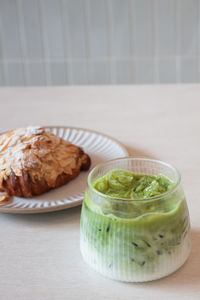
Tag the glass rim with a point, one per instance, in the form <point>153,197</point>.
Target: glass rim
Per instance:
<point>157,197</point>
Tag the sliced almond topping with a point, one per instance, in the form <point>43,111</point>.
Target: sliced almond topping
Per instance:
<point>4,197</point>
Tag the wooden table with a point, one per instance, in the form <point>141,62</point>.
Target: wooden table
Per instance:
<point>39,254</point>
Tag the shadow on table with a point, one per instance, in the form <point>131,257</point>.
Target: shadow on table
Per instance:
<point>138,152</point>
<point>70,215</point>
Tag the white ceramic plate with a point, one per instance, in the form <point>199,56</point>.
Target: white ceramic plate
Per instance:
<point>99,147</point>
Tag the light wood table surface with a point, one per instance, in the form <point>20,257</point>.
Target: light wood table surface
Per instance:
<point>39,254</point>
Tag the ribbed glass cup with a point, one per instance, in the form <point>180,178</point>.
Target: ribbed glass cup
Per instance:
<point>135,240</point>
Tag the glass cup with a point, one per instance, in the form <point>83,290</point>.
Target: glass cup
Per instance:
<point>135,240</point>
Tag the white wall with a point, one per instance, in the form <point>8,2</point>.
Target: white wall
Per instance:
<point>58,42</point>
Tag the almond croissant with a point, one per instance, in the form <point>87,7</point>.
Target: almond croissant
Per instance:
<point>33,160</point>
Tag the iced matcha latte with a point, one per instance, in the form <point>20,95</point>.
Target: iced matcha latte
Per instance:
<point>134,220</point>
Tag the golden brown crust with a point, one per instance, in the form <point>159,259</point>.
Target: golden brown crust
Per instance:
<point>43,161</point>
<point>4,197</point>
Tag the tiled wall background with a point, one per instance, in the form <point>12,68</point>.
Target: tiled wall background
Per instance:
<point>59,42</point>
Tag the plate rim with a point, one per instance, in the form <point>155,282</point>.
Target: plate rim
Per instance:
<point>71,203</point>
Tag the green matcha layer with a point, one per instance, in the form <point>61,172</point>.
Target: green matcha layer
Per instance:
<point>133,236</point>
<point>128,185</point>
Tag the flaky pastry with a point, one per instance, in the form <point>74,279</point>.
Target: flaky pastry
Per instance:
<point>33,160</point>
